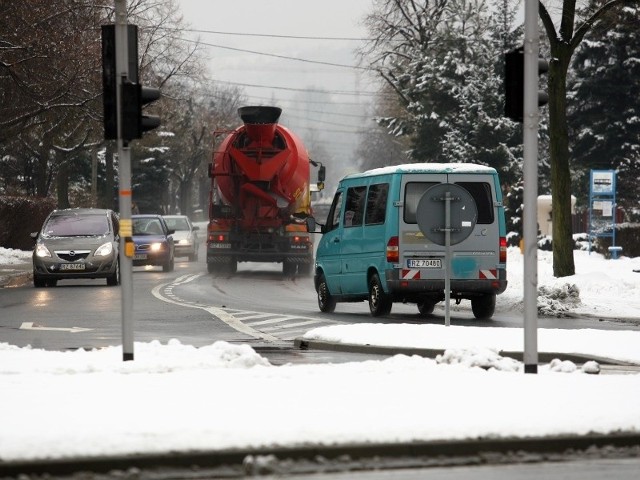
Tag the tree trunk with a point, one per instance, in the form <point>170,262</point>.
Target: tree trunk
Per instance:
<point>563,263</point>
<point>62,184</point>
<point>184,197</point>
<point>107,197</point>
<point>42,168</point>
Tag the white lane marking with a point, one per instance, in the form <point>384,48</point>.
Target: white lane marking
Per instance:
<point>36,326</point>
<point>253,317</point>
<point>279,319</point>
<point>216,312</point>
<point>291,325</point>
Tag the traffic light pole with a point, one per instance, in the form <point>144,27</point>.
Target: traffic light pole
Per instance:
<point>530,174</point>
<point>124,185</point>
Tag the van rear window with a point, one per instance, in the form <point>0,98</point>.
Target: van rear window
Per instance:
<point>480,191</point>
<point>412,194</point>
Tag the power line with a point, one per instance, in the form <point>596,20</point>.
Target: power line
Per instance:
<point>284,57</point>
<point>270,99</point>
<point>268,35</point>
<point>310,90</point>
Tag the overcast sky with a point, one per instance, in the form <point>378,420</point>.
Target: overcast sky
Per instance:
<point>297,18</point>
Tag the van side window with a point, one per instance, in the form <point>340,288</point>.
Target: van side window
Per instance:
<point>376,204</point>
<point>354,209</point>
<point>412,195</point>
<point>481,193</point>
<point>333,219</point>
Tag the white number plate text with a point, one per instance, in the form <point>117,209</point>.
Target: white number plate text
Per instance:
<point>424,263</point>
<point>72,266</point>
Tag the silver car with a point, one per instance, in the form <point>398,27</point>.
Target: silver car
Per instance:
<point>77,243</point>
<point>185,237</point>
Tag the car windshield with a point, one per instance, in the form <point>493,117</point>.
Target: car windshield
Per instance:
<point>147,226</point>
<point>178,223</point>
<point>76,226</point>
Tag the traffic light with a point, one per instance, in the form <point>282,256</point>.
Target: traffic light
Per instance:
<point>134,122</point>
<point>109,100</point>
<point>133,95</point>
<point>514,84</point>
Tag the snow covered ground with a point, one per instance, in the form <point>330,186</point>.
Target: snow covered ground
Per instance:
<point>176,397</point>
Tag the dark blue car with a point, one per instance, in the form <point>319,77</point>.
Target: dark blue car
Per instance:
<point>154,242</point>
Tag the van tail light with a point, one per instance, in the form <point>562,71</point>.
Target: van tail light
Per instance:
<point>393,252</point>
<point>503,250</point>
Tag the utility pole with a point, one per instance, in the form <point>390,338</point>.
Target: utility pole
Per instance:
<point>124,184</point>
<point>124,120</point>
<point>530,174</point>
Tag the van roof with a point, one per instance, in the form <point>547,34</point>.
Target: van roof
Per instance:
<point>426,168</point>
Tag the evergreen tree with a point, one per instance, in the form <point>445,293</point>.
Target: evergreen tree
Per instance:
<point>444,60</point>
<point>605,117</point>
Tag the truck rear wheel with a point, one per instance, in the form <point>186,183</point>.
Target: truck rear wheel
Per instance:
<point>379,302</point>
<point>289,269</point>
<point>326,303</point>
<point>484,306</point>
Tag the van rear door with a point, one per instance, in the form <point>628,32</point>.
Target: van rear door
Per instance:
<point>474,257</point>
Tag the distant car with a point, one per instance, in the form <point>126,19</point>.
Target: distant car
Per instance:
<point>154,242</point>
<point>185,237</point>
<point>77,243</point>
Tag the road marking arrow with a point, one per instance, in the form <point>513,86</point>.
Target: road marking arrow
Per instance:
<point>36,326</point>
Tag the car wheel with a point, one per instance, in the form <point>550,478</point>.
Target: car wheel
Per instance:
<point>168,267</point>
<point>51,283</point>
<point>425,307</point>
<point>379,302</point>
<point>38,282</point>
<point>326,302</point>
<point>484,306</point>
<point>114,279</point>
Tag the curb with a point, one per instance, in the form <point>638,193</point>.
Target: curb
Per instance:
<point>433,352</point>
<point>441,451</point>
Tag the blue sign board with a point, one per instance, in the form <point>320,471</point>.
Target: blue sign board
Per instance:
<point>602,206</point>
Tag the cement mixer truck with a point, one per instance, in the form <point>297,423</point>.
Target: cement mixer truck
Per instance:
<point>260,196</point>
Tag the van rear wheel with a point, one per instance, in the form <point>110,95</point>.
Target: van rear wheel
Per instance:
<point>484,306</point>
<point>326,302</point>
<point>379,302</point>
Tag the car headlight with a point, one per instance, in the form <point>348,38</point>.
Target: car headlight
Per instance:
<point>104,250</point>
<point>156,247</point>
<point>42,251</point>
<point>184,241</point>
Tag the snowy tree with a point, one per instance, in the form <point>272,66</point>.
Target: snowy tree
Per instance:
<point>563,42</point>
<point>444,61</point>
<point>604,118</point>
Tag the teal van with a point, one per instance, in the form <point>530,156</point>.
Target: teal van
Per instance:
<point>401,233</point>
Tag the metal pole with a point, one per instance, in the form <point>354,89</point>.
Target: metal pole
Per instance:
<point>530,174</point>
<point>124,177</point>
<point>447,259</point>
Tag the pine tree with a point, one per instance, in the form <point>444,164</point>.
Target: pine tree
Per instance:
<point>606,115</point>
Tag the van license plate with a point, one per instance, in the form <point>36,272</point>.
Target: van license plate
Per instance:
<point>72,266</point>
<point>424,263</point>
